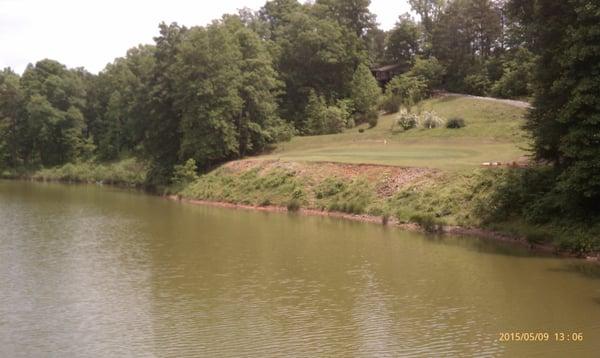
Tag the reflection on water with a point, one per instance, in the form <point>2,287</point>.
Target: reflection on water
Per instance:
<point>88,271</point>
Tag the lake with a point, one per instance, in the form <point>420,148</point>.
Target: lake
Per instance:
<point>88,271</point>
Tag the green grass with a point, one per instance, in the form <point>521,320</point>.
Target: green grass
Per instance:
<point>492,133</point>
<point>127,172</point>
<point>275,187</point>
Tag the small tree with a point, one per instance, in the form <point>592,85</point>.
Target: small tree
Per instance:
<point>430,71</point>
<point>185,174</point>
<point>323,119</point>
<point>315,114</point>
<point>334,120</point>
<point>407,90</point>
<point>364,89</point>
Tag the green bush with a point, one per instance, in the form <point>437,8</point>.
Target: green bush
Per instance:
<point>428,223</point>
<point>515,75</point>
<point>265,202</point>
<point>323,119</point>
<point>537,237</point>
<point>185,173</point>
<point>390,103</point>
<point>477,84</point>
<point>527,194</point>
<point>581,240</point>
<point>349,197</point>
<point>455,123</point>
<point>430,71</point>
<point>372,118</point>
<point>329,187</point>
<point>410,88</point>
<point>364,90</point>
<point>293,205</point>
<point>385,219</point>
<point>335,120</point>
<point>512,84</point>
<point>361,130</point>
<point>128,172</point>
<point>282,132</point>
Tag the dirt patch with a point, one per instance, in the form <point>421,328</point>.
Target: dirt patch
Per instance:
<point>388,179</point>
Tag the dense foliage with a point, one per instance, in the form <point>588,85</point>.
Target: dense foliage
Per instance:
<point>208,93</point>
<point>565,120</point>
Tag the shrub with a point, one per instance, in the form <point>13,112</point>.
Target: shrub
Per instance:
<point>372,118</point>
<point>390,103</point>
<point>361,130</point>
<point>293,205</point>
<point>323,119</point>
<point>329,187</point>
<point>409,88</point>
<point>477,84</point>
<point>185,174</point>
<point>428,223</point>
<point>385,219</point>
<point>282,132</point>
<point>265,202</point>
<point>407,121</point>
<point>350,123</point>
<point>430,71</point>
<point>126,172</point>
<point>364,90</point>
<point>334,120</point>
<point>353,197</point>
<point>580,241</point>
<point>455,123</point>
<point>512,84</point>
<point>537,237</point>
<point>515,75</point>
<point>431,120</point>
<point>346,107</point>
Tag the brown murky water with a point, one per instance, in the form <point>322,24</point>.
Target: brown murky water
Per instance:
<point>91,271</point>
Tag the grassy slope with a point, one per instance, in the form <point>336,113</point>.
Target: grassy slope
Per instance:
<point>454,190</point>
<point>492,134</point>
<point>451,190</point>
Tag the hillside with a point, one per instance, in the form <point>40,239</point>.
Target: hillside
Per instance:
<point>433,178</point>
<point>493,133</point>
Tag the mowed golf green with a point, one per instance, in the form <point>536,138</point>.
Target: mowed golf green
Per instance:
<point>493,134</point>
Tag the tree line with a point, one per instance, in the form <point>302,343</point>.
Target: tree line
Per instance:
<point>234,87</point>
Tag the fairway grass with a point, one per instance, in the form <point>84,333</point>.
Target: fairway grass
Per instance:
<point>440,155</point>
<point>493,134</point>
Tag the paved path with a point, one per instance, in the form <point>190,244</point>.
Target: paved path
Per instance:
<point>510,102</point>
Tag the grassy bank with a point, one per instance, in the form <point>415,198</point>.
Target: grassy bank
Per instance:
<point>127,172</point>
<point>430,177</point>
<point>432,199</point>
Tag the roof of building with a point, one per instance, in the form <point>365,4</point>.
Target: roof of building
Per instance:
<point>388,67</point>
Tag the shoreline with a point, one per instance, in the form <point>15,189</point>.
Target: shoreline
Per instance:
<point>452,230</point>
<point>449,230</point>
